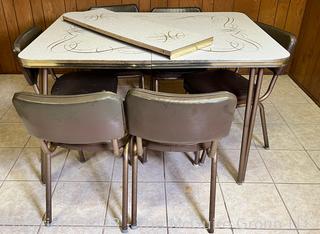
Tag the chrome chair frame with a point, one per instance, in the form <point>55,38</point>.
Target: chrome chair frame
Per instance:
<point>144,105</point>
<point>108,131</point>
<point>288,41</point>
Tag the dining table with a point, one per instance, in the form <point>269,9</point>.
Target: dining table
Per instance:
<point>238,42</point>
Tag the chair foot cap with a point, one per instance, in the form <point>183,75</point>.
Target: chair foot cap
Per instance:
<point>124,230</point>
<point>47,222</point>
<point>133,227</point>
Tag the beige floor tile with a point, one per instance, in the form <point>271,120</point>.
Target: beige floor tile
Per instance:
<point>22,203</point>
<point>11,83</point>
<point>303,203</point>
<point>299,113</point>
<point>256,206</point>
<point>8,157</point>
<point>179,167</point>
<point>151,205</point>
<point>244,231</point>
<point>4,108</point>
<point>28,166</point>
<point>272,115</point>
<point>309,231</point>
<point>315,155</point>
<point>197,231</point>
<point>233,140</point>
<point>280,137</point>
<point>11,116</point>
<point>13,135</point>
<point>70,230</point>
<point>33,142</point>
<point>308,135</point>
<point>98,167</point>
<point>229,163</point>
<point>80,203</point>
<point>286,92</point>
<point>238,118</point>
<point>140,230</point>
<point>19,229</point>
<point>290,166</point>
<point>151,171</point>
<point>188,205</point>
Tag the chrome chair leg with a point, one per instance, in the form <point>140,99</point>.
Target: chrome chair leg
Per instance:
<point>124,226</point>
<point>134,165</point>
<point>212,205</point>
<point>53,74</point>
<point>203,156</point>
<point>48,218</point>
<point>156,85</point>
<point>42,160</point>
<point>197,157</point>
<point>81,156</point>
<point>141,85</point>
<point>264,126</point>
<point>144,157</point>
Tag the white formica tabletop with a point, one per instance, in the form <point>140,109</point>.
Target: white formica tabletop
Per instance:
<point>237,42</point>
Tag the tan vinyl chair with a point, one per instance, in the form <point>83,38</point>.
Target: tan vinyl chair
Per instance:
<point>88,122</point>
<point>118,8</point>
<point>70,83</point>
<point>231,81</point>
<point>132,8</point>
<point>175,9</point>
<point>171,74</point>
<point>178,123</point>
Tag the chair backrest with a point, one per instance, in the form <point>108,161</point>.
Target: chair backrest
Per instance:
<point>179,118</point>
<point>22,41</point>
<point>175,9</point>
<point>73,119</point>
<point>119,8</point>
<point>286,39</point>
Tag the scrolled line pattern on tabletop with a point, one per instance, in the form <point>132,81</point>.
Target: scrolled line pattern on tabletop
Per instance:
<point>73,41</point>
<point>237,39</point>
<point>97,17</point>
<point>168,36</point>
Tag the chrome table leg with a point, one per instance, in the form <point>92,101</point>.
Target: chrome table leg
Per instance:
<point>249,121</point>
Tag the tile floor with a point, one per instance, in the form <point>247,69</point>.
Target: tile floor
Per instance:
<point>281,193</point>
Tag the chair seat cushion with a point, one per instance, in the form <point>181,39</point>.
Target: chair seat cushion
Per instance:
<point>171,74</point>
<point>84,82</point>
<point>215,81</point>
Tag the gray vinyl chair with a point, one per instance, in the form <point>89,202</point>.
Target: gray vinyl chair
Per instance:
<point>89,122</point>
<point>175,9</point>
<point>231,81</point>
<point>118,8</point>
<point>172,74</point>
<point>178,123</point>
<point>71,83</point>
<point>122,73</point>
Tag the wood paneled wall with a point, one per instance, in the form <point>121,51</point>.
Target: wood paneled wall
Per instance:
<point>305,69</point>
<point>17,15</point>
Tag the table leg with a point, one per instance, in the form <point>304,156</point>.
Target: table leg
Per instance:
<point>43,81</point>
<point>249,121</point>
<point>43,89</point>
